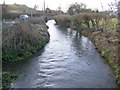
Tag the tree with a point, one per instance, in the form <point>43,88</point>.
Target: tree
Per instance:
<point>48,10</point>
<point>36,7</point>
<point>76,8</point>
<point>114,6</point>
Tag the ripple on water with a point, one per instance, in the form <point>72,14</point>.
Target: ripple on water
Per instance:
<point>43,72</point>
<point>56,60</point>
<point>65,57</point>
<point>42,75</point>
<point>47,85</point>
<point>50,72</point>
<point>47,67</point>
<point>52,61</point>
<point>41,81</point>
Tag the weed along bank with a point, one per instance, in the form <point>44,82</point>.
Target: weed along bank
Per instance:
<point>102,30</point>
<point>21,41</point>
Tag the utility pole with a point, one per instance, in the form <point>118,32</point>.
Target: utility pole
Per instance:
<point>60,7</point>
<point>4,2</point>
<point>44,5</point>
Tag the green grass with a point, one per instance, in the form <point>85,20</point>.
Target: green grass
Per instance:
<point>16,8</point>
<point>7,78</point>
<point>114,20</point>
<point>13,11</point>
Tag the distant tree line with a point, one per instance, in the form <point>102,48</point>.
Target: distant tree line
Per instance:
<point>79,8</point>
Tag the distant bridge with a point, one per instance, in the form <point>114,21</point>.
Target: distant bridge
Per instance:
<point>49,16</point>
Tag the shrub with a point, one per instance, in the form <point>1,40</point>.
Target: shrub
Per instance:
<point>21,40</point>
<point>63,20</point>
<point>7,78</point>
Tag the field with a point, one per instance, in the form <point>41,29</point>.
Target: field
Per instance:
<point>12,11</point>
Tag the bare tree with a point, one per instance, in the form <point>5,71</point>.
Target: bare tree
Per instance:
<point>76,8</point>
<point>36,6</point>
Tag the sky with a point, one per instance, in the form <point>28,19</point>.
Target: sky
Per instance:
<point>54,4</point>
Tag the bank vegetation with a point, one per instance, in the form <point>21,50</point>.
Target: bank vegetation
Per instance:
<point>102,29</point>
<point>20,41</point>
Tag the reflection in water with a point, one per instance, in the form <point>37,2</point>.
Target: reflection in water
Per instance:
<point>67,61</point>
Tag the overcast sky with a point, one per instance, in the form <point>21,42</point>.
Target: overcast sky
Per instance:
<point>54,4</point>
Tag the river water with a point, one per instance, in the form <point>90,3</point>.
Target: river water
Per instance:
<point>67,61</point>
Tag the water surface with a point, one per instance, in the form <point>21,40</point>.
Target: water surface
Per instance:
<point>67,61</point>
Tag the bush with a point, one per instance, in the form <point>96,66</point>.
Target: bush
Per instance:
<point>63,20</point>
<point>21,40</point>
<point>7,78</point>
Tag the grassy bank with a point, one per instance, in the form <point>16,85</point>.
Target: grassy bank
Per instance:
<point>21,40</point>
<point>8,77</point>
<point>103,31</point>
<point>108,47</point>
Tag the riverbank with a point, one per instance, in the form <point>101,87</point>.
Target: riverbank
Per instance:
<point>23,39</point>
<point>102,31</point>
<point>20,41</point>
<point>108,48</point>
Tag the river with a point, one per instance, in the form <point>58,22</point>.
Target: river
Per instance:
<point>67,61</point>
